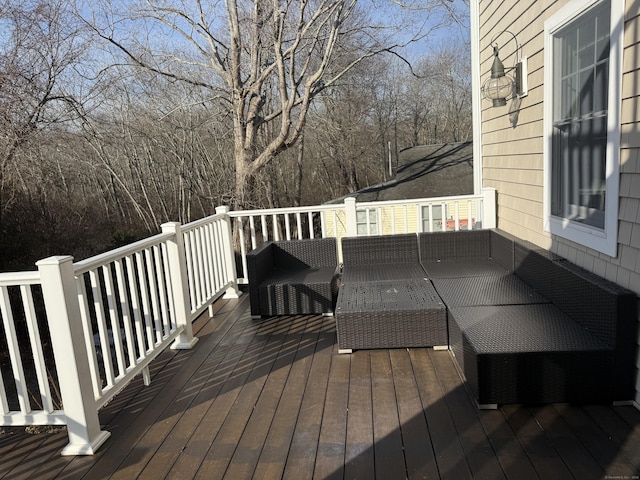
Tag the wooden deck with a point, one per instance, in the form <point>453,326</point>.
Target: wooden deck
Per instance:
<point>273,399</point>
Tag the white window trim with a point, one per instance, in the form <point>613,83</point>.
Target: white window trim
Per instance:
<point>605,241</point>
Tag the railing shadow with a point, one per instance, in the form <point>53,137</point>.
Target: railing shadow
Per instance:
<point>448,438</point>
<point>438,431</point>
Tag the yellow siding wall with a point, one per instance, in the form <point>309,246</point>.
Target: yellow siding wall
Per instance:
<point>403,218</point>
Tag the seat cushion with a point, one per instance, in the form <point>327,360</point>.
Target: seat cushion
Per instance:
<point>464,268</point>
<point>530,354</point>
<point>382,272</point>
<point>489,290</point>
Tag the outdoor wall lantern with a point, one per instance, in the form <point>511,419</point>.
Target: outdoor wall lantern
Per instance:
<point>501,86</point>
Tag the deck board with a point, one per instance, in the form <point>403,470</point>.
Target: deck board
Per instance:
<point>272,399</point>
<point>580,463</point>
<point>536,444</point>
<point>419,456</point>
<point>359,457</point>
<point>450,455</point>
<point>301,457</point>
<point>477,448</point>
<point>332,441</point>
<point>388,453</point>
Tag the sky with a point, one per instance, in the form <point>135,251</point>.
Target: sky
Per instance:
<point>455,32</point>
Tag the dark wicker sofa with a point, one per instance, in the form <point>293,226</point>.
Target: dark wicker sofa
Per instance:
<point>385,300</point>
<point>293,277</point>
<point>529,327</point>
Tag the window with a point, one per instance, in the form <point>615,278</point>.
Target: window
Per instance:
<point>582,68</point>
<point>367,222</point>
<point>432,216</point>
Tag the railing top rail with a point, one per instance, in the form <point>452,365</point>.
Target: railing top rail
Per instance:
<point>282,210</point>
<point>8,279</point>
<point>84,266</point>
<point>339,206</point>
<point>418,201</point>
<point>202,221</point>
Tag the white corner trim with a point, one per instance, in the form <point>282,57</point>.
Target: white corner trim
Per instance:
<point>476,97</point>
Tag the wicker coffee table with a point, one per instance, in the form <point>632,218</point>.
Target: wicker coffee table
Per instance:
<point>390,314</point>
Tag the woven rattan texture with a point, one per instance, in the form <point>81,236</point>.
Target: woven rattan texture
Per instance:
<point>319,252</point>
<point>535,267</point>
<point>539,378</point>
<point>463,268</point>
<point>384,249</point>
<point>259,266</point>
<point>501,246</point>
<point>523,328</point>
<point>379,272</point>
<point>305,297</point>
<point>293,277</point>
<point>442,246</point>
<point>391,295</point>
<point>395,314</point>
<point>489,290</point>
<point>589,299</point>
<point>530,354</point>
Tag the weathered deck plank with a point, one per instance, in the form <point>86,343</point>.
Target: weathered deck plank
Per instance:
<point>359,457</point>
<point>446,444</point>
<point>272,399</point>
<point>306,435</point>
<point>536,444</point>
<point>419,455</point>
<point>388,453</point>
<point>333,430</point>
<point>480,456</point>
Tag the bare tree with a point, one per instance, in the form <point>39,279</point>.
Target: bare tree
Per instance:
<point>39,49</point>
<point>267,60</point>
<point>165,163</point>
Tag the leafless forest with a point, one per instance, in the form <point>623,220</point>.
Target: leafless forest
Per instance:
<point>116,116</point>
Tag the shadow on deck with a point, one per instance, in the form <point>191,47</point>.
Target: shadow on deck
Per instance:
<point>273,399</point>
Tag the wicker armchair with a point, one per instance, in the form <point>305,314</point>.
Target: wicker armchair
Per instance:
<point>293,277</point>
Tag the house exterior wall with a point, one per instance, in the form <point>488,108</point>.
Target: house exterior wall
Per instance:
<point>389,219</point>
<point>512,157</point>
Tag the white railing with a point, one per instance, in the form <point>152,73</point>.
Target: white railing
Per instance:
<point>105,319</point>
<point>74,334</point>
<point>131,311</point>
<point>28,391</point>
<point>350,218</point>
<point>210,260</point>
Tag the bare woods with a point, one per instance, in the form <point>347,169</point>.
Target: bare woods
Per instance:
<point>118,116</point>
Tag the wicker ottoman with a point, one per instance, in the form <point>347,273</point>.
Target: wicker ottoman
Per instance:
<point>390,314</point>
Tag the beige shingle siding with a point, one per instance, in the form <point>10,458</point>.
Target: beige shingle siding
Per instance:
<point>628,269</point>
<point>513,157</point>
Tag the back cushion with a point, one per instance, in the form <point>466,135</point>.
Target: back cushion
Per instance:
<point>588,299</point>
<point>383,249</point>
<point>317,252</point>
<point>536,267</point>
<point>502,249</point>
<point>461,245</point>
<point>596,303</point>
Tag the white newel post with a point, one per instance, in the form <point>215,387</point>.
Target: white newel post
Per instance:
<point>489,214</point>
<point>229,253</point>
<point>179,285</point>
<point>72,364</point>
<point>351,218</point>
